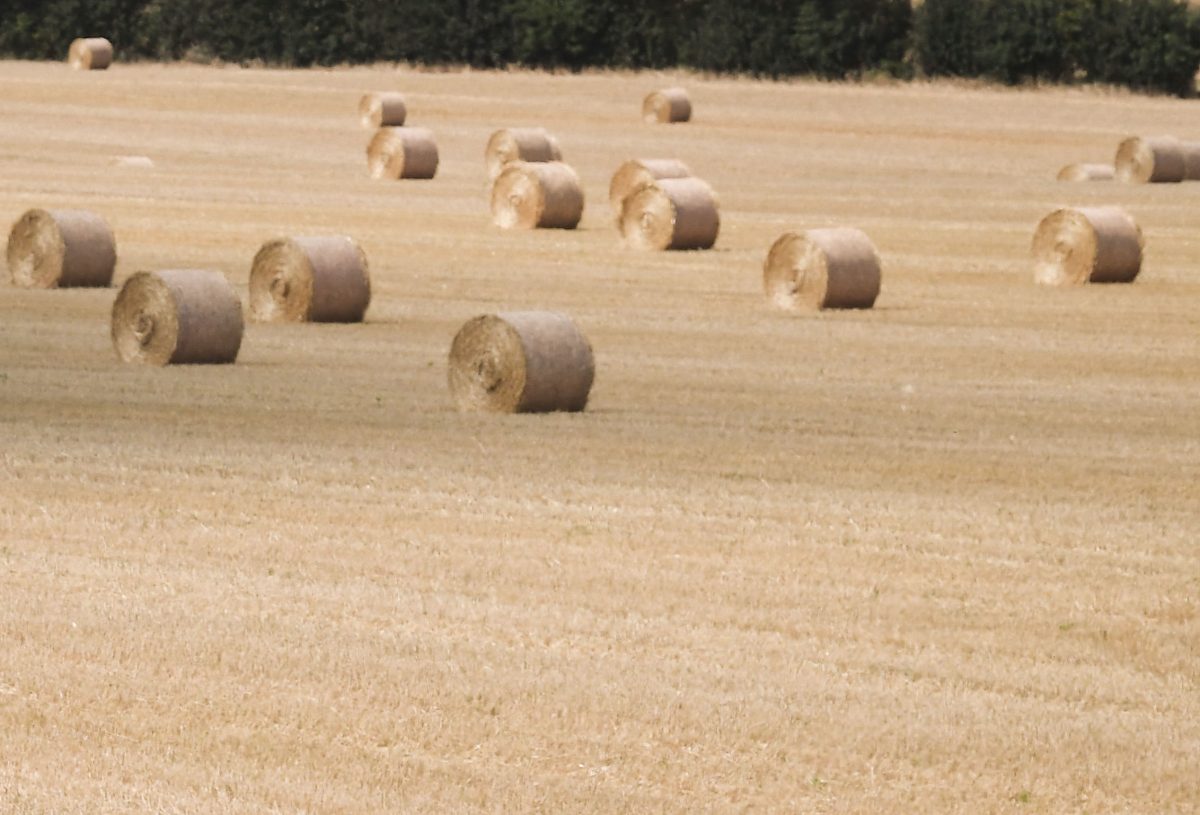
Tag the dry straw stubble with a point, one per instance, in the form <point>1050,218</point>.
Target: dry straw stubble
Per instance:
<point>521,362</point>
<point>636,173</point>
<point>672,213</point>
<point>61,248</point>
<point>312,279</point>
<point>537,195</point>
<point>177,316</point>
<point>403,152</point>
<point>528,144</point>
<point>90,54</point>
<point>382,109</point>
<point>1087,245</point>
<point>1153,159</point>
<point>667,106</point>
<point>823,268</point>
<point>1087,172</point>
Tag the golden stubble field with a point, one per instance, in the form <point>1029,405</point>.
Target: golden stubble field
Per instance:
<point>940,556</point>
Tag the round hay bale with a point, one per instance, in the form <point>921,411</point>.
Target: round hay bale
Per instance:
<point>1087,245</point>
<point>320,280</point>
<point>672,213</point>
<point>822,268</point>
<point>668,106</point>
<point>637,173</point>
<point>61,248</point>
<point>90,54</point>
<point>402,152</point>
<point>386,109</point>
<point>1157,159</point>
<point>134,162</point>
<point>177,317</point>
<point>1087,172</point>
<point>521,362</point>
<point>541,195</point>
<point>530,144</point>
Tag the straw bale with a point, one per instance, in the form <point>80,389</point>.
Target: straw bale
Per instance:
<point>521,362</point>
<point>176,317</point>
<point>672,213</point>
<point>529,144</point>
<point>383,109</point>
<point>61,248</point>
<point>529,195</point>
<point>1087,245</point>
<point>823,268</point>
<point>1154,159</point>
<point>90,54</point>
<point>667,106</point>
<point>315,279</point>
<point>1087,172</point>
<point>636,173</point>
<point>402,152</point>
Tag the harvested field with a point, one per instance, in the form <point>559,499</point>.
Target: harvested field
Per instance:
<point>939,556</point>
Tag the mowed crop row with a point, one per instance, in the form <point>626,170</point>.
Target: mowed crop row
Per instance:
<point>936,556</point>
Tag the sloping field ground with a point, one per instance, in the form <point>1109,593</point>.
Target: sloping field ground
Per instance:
<point>939,556</point>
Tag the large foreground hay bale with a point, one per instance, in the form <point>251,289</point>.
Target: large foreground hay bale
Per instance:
<point>176,317</point>
<point>1087,245</point>
<point>529,144</point>
<point>823,268</point>
<point>61,248</point>
<point>1087,172</point>
<point>521,362</point>
<point>1155,159</point>
<point>383,109</point>
<point>543,195</point>
<point>90,54</point>
<point>636,173</point>
<point>320,280</point>
<point>668,106</point>
<point>672,213</point>
<point>402,152</point>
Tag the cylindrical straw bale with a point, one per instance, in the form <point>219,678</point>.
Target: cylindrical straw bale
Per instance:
<point>402,152</point>
<point>823,268</point>
<point>667,106</point>
<point>61,248</point>
<point>519,144</point>
<point>1087,245</point>
<point>386,109</point>
<point>176,317</point>
<point>521,362</point>
<point>90,54</point>
<point>638,172</point>
<point>672,213</point>
<point>543,195</point>
<point>1156,159</point>
<point>1087,172</point>
<point>320,280</point>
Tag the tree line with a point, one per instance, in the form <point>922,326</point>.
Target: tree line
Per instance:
<point>1151,45</point>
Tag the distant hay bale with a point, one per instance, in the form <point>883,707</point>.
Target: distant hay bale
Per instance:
<point>521,362</point>
<point>672,213</point>
<point>537,195</point>
<point>384,109</point>
<point>1156,159</point>
<point>1087,245</point>
<point>177,317</point>
<point>402,152</point>
<point>319,280</point>
<point>61,248</point>
<point>529,144</point>
<point>636,173</point>
<point>822,268</point>
<point>1087,172</point>
<point>668,106</point>
<point>90,54</point>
